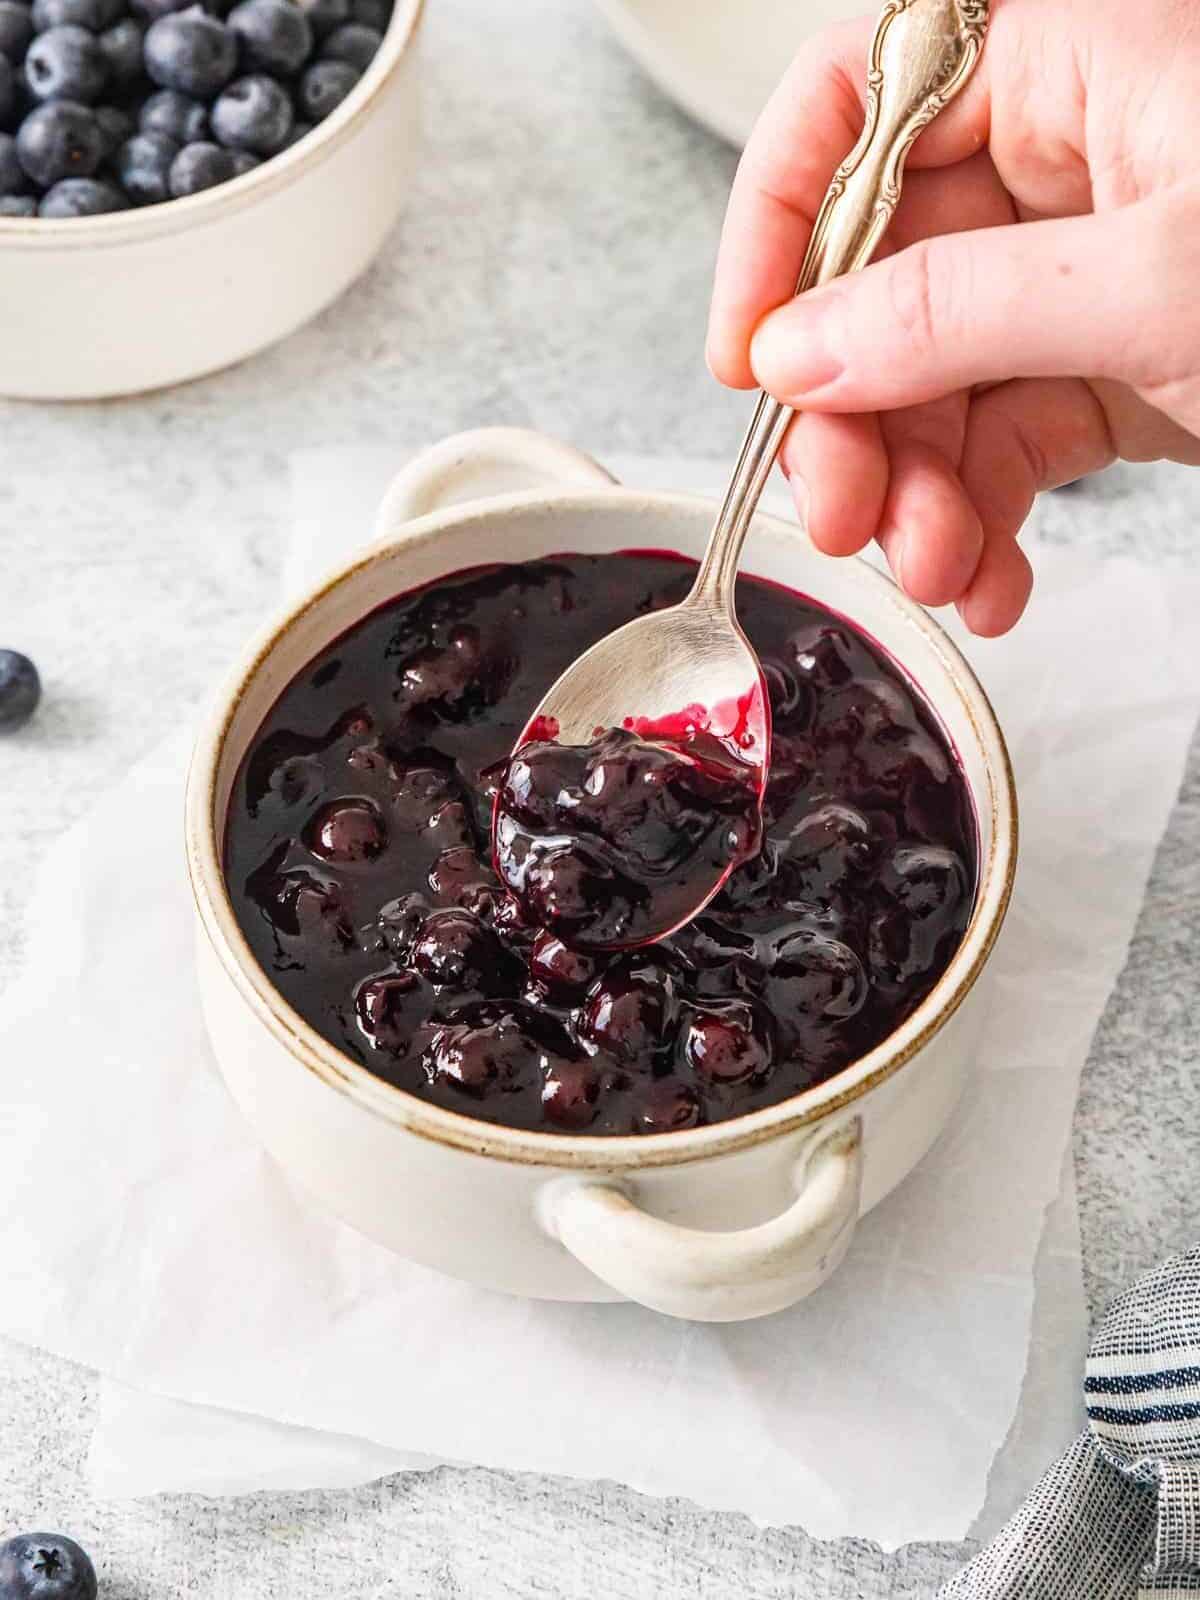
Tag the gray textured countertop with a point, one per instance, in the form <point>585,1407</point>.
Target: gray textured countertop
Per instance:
<point>551,270</point>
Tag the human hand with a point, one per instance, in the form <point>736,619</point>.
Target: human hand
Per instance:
<point>1035,311</point>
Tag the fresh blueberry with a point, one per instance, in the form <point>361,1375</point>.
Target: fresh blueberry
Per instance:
<point>202,166</point>
<point>177,115</point>
<point>17,205</point>
<point>16,29</point>
<point>324,86</point>
<point>122,47</point>
<point>66,63</point>
<point>60,140</point>
<point>143,165</point>
<point>45,1566</point>
<point>81,197</point>
<point>325,15</point>
<point>192,51</point>
<point>10,92</point>
<point>300,130</point>
<point>12,179</point>
<point>149,11</point>
<point>273,35</point>
<point>353,42</point>
<point>116,126</point>
<point>253,114</point>
<point>372,13</point>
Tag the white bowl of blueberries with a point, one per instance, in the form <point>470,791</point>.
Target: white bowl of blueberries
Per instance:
<point>183,183</point>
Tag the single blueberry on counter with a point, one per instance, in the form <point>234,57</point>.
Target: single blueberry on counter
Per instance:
<point>177,115</point>
<point>253,114</point>
<point>82,197</point>
<point>45,1566</point>
<point>273,35</point>
<point>143,167</point>
<point>16,30</point>
<point>192,51</point>
<point>122,48</point>
<point>66,63</point>
<point>20,691</point>
<point>60,139</point>
<point>17,205</point>
<point>324,86</point>
<point>354,43</point>
<point>202,165</point>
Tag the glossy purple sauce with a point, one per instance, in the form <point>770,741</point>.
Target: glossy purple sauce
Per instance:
<point>358,860</point>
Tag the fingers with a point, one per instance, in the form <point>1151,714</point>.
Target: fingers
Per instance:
<point>1032,299</point>
<point>838,468</point>
<point>810,125</point>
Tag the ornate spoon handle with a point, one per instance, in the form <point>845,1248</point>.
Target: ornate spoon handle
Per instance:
<point>922,53</point>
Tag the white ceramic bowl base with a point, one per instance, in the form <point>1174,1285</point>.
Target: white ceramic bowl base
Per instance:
<point>119,304</point>
<point>720,1223</point>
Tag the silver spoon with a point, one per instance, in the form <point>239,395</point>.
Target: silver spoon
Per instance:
<point>690,668</point>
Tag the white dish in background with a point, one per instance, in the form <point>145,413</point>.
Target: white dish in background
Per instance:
<point>720,59</point>
<point>118,304</point>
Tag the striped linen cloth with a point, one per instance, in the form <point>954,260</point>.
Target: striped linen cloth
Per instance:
<point>1119,1515</point>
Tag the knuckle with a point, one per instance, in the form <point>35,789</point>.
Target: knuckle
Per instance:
<point>927,293</point>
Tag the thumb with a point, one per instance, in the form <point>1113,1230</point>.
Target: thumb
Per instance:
<point>1102,296</point>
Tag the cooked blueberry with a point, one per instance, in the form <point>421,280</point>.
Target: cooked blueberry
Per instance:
<point>823,654</point>
<point>20,690</point>
<point>253,114</point>
<point>12,177</point>
<point>45,1566</point>
<point>826,850</point>
<point>421,790</point>
<point>570,1091</point>
<point>122,47</point>
<point>17,205</point>
<point>324,86</point>
<point>325,15</point>
<point>813,975</point>
<point>115,127</point>
<point>487,1046</point>
<point>459,878</point>
<point>347,830</point>
<point>728,1042</point>
<point>66,63</point>
<point>630,1013</point>
<point>203,165</point>
<point>301,903</point>
<point>16,30</point>
<point>455,950</point>
<point>176,115</point>
<point>143,165</point>
<point>352,42</point>
<point>273,35</point>
<point>191,51</point>
<point>667,1105</point>
<point>297,778</point>
<point>59,140</point>
<point>387,1005</point>
<point>81,197</point>
<point>561,970</point>
<point>95,15</point>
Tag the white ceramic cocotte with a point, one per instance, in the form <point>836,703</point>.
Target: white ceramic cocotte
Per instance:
<point>112,305</point>
<point>717,1223</point>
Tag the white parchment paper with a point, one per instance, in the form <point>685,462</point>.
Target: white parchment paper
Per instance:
<point>145,1234</point>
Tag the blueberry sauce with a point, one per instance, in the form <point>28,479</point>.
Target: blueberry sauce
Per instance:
<point>613,843</point>
<point>358,860</point>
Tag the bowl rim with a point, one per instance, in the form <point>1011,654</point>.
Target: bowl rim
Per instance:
<point>608,1153</point>
<point>223,199</point>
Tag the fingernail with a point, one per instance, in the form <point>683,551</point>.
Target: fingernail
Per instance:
<point>792,351</point>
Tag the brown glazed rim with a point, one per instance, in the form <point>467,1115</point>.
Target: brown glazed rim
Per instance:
<point>588,1152</point>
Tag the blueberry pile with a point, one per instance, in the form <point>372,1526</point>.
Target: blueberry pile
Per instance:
<point>108,104</point>
<point>358,859</point>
